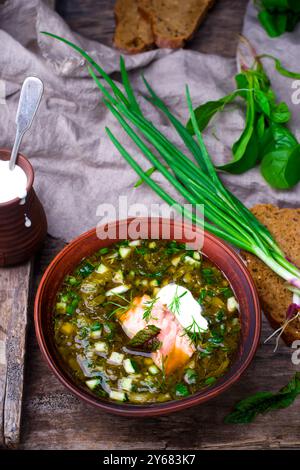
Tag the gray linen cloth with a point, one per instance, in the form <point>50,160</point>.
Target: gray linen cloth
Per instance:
<point>76,166</point>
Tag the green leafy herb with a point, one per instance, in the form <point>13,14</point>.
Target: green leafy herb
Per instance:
<point>262,402</point>
<point>181,390</point>
<point>96,326</point>
<point>146,339</point>
<point>86,269</point>
<point>280,162</point>
<point>278,16</point>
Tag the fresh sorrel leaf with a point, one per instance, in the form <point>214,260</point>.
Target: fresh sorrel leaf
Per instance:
<point>280,113</point>
<point>281,168</point>
<point>261,127</point>
<point>268,22</point>
<point>242,84</point>
<point>247,160</point>
<point>245,150</point>
<point>262,101</point>
<point>279,16</point>
<point>205,112</point>
<point>282,137</point>
<point>145,339</point>
<point>262,402</point>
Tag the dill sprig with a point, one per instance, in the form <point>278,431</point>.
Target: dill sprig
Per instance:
<point>148,309</point>
<point>175,303</point>
<point>194,179</point>
<point>194,331</point>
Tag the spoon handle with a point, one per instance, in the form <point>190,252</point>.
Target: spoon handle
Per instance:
<point>30,97</point>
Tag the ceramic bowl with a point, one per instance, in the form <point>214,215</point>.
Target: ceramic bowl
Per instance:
<point>222,255</point>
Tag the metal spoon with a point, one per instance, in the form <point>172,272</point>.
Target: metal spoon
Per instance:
<point>30,97</point>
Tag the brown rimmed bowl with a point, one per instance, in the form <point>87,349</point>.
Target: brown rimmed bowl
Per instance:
<point>222,255</point>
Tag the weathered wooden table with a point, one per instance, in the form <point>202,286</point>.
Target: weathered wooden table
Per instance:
<point>54,419</point>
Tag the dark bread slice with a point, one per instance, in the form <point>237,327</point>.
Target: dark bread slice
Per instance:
<point>133,32</point>
<point>284,224</point>
<point>174,21</point>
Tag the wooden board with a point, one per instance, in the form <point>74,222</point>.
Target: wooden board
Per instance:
<point>14,296</point>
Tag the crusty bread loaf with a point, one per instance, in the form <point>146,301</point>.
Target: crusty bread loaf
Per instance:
<point>174,21</point>
<point>284,224</point>
<point>133,31</point>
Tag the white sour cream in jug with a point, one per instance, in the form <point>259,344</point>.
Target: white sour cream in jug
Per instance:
<point>13,183</point>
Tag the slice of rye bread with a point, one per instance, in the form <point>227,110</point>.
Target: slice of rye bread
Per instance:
<point>133,31</point>
<point>174,21</point>
<point>284,225</point>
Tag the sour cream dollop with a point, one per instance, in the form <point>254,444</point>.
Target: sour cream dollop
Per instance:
<point>13,183</point>
<point>182,304</point>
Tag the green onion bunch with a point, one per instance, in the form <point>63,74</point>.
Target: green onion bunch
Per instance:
<point>191,173</point>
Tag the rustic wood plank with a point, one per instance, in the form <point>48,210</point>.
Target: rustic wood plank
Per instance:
<point>14,294</point>
<point>218,34</point>
<point>55,419</point>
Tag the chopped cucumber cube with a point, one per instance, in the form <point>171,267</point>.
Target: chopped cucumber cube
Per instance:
<point>124,251</point>
<point>129,366</point>
<point>175,261</point>
<point>96,334</point>
<point>154,283</point>
<point>232,304</point>
<point>118,396</point>
<point>101,269</point>
<point>101,346</point>
<point>92,383</point>
<point>152,245</point>
<point>135,243</point>
<point>118,290</point>
<point>72,280</point>
<point>153,370</point>
<point>191,261</point>
<point>197,255</point>
<point>61,307</point>
<point>116,358</point>
<point>126,384</point>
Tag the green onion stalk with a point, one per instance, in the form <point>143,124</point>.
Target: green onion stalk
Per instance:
<point>195,178</point>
